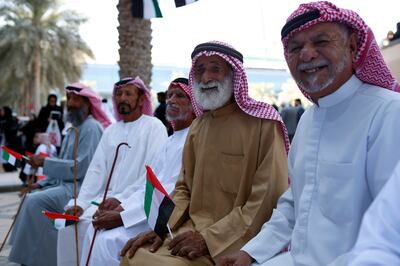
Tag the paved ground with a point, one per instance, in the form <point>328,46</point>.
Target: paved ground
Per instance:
<point>9,202</point>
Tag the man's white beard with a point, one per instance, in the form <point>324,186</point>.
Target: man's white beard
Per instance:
<point>213,98</point>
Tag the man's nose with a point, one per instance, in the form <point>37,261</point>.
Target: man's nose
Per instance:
<point>308,53</point>
<point>206,77</point>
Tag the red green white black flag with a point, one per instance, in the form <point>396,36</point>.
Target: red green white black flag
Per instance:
<point>158,205</point>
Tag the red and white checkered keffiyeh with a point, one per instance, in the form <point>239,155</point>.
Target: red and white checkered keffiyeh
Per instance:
<point>240,89</point>
<point>137,82</point>
<point>187,89</point>
<point>368,65</point>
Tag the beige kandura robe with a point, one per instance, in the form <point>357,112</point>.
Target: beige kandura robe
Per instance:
<point>234,170</point>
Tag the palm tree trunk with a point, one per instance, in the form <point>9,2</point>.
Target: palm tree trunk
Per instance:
<point>135,44</point>
<point>36,81</point>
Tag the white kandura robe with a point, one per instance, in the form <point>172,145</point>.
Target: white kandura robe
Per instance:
<point>342,154</point>
<point>145,137</point>
<point>108,243</point>
<point>379,238</point>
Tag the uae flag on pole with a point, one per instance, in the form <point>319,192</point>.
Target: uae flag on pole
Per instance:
<point>179,3</point>
<point>12,157</point>
<point>60,220</point>
<point>146,9</point>
<point>158,205</point>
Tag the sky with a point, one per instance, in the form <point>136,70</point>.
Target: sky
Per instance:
<point>251,26</point>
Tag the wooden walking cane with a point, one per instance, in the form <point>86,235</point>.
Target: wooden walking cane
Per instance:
<point>18,210</point>
<point>75,224</point>
<point>105,196</point>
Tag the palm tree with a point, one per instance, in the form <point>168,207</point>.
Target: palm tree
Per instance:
<point>40,49</point>
<point>135,44</point>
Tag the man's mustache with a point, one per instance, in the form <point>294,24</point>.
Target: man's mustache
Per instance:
<point>124,104</point>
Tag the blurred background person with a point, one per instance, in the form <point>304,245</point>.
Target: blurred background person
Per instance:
<point>45,111</point>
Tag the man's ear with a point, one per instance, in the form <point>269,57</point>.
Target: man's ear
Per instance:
<point>353,45</point>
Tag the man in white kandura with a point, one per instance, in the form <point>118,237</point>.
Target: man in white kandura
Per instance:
<point>346,145</point>
<point>145,135</point>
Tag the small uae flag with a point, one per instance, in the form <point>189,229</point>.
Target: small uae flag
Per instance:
<point>60,220</point>
<point>158,205</point>
<point>146,9</point>
<point>179,3</point>
<point>12,157</point>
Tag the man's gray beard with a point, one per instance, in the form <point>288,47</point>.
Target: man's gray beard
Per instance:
<point>182,116</point>
<point>215,98</point>
<point>77,116</point>
<point>314,87</point>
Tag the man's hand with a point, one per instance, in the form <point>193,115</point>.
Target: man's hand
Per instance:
<point>134,244</point>
<point>189,244</point>
<point>78,211</point>
<point>29,188</point>
<point>36,161</point>
<point>109,204</point>
<point>240,258</point>
<point>107,219</point>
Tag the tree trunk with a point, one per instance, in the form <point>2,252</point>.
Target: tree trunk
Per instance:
<point>135,44</point>
<point>36,81</point>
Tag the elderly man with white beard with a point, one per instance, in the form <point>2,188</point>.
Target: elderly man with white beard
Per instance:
<point>233,170</point>
<point>145,135</point>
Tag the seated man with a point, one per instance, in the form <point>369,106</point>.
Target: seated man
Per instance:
<point>345,147</point>
<point>145,135</point>
<point>108,243</point>
<point>379,237</point>
<point>34,238</point>
<point>233,169</point>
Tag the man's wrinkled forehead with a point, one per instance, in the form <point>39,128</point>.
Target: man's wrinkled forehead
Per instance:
<point>317,31</point>
<point>203,61</point>
<point>174,88</point>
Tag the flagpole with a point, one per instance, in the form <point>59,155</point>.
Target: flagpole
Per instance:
<point>18,210</point>
<point>170,232</point>
<point>105,196</point>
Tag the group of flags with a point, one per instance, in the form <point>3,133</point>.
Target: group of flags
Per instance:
<point>14,158</point>
<point>150,8</point>
<point>158,207</point>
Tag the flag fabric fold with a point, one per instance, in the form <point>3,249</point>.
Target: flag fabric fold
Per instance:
<point>158,205</point>
<point>179,3</point>
<point>146,9</point>
<point>60,220</point>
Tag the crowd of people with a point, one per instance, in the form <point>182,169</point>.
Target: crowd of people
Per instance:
<point>247,189</point>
